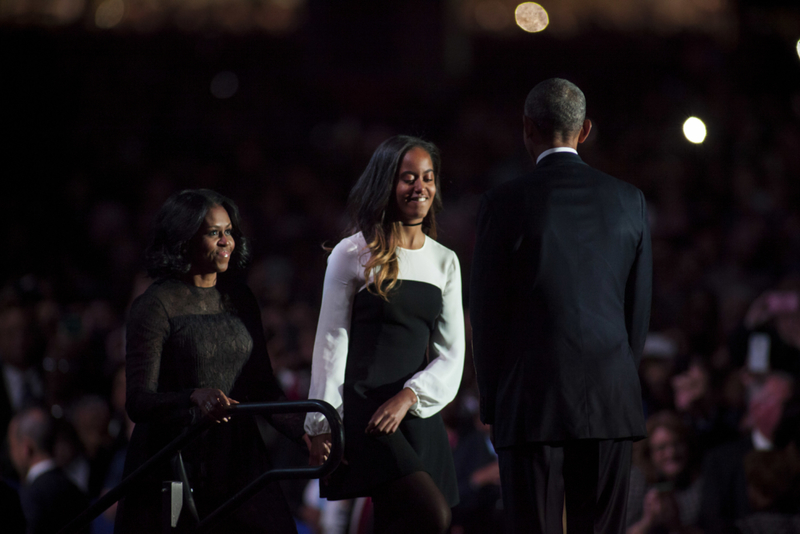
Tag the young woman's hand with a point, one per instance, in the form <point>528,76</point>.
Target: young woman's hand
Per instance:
<point>320,449</point>
<point>212,403</point>
<point>388,417</point>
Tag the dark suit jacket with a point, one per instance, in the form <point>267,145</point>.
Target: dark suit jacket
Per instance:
<point>11,517</point>
<point>560,304</point>
<point>6,413</point>
<point>51,501</point>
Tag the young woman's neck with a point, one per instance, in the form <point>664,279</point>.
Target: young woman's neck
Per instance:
<point>411,237</point>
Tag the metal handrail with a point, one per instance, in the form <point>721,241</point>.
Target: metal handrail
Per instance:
<point>255,408</point>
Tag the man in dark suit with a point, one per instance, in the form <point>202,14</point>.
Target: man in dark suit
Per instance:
<point>20,381</point>
<point>560,306</point>
<point>49,499</point>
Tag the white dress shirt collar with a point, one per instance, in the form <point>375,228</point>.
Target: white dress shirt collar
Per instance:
<point>39,469</point>
<point>554,150</point>
<point>760,441</point>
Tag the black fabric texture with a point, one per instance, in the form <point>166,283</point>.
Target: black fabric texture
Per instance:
<point>388,345</point>
<point>179,338</point>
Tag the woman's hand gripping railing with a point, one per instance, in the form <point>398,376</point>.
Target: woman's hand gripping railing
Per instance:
<point>237,410</point>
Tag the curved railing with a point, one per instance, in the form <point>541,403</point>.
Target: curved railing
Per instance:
<point>236,410</point>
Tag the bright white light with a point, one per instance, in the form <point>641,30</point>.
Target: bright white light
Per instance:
<point>798,48</point>
<point>694,130</point>
<point>531,17</point>
<point>224,85</point>
<point>109,14</point>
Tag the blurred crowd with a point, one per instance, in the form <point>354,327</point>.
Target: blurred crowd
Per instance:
<point>722,361</point>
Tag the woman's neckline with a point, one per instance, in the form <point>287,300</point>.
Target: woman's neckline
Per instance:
<point>191,284</point>
<point>424,244</point>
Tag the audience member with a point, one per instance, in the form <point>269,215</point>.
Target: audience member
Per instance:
<point>665,485</point>
<point>773,490</point>
<point>49,499</point>
<point>725,494</point>
<point>20,380</point>
<point>699,405</point>
<point>13,520</point>
<point>478,474</point>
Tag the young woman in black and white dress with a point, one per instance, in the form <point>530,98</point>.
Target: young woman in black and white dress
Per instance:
<point>389,349</point>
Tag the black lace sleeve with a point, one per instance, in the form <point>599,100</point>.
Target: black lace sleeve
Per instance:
<point>147,330</point>
<point>257,382</point>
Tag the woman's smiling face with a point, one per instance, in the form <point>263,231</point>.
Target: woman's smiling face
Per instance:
<point>214,242</point>
<point>416,186</point>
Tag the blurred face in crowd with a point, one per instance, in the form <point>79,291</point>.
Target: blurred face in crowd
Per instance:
<point>667,452</point>
<point>765,406</point>
<point>16,449</point>
<point>15,337</point>
<point>416,186</point>
<point>213,244</point>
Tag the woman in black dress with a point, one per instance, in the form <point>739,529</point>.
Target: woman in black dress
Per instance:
<point>389,349</point>
<point>195,345</point>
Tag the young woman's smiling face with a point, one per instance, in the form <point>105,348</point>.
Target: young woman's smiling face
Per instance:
<point>214,242</point>
<point>416,186</point>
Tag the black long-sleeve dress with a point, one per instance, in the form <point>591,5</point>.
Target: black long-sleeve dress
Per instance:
<point>179,338</point>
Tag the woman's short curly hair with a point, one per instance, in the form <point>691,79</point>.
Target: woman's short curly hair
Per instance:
<point>170,251</point>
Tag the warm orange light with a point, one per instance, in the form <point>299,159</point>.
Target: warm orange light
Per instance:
<point>109,13</point>
<point>492,15</point>
<point>531,17</point>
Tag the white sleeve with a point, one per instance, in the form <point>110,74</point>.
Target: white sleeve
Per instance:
<point>333,333</point>
<point>437,384</point>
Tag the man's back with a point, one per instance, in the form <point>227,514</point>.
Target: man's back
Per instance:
<point>51,502</point>
<point>566,320</point>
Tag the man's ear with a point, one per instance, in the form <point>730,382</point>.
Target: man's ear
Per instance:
<point>531,132</point>
<point>585,129</point>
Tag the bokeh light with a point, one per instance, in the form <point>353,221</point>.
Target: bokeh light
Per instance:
<point>694,130</point>
<point>67,11</point>
<point>798,48</point>
<point>492,15</point>
<point>531,17</point>
<point>109,13</point>
<point>224,85</point>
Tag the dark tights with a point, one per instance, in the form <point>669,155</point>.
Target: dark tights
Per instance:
<point>411,504</point>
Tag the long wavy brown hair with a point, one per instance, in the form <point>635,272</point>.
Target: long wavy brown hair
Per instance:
<point>373,210</point>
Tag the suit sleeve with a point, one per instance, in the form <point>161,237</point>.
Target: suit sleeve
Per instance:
<point>638,290</point>
<point>489,303</point>
<point>333,333</point>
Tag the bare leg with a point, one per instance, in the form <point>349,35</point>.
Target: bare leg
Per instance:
<point>411,504</point>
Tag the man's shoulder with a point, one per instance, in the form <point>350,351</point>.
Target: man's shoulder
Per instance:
<point>613,181</point>
<point>510,189</point>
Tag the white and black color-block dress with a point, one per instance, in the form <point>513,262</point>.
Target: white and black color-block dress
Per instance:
<point>367,350</point>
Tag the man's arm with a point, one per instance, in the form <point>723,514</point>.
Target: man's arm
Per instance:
<point>488,306</point>
<point>638,292</point>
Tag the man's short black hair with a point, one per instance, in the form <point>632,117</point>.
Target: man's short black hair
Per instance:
<point>557,107</point>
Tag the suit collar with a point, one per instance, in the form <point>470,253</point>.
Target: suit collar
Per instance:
<point>554,150</point>
<point>39,469</point>
<point>557,158</point>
